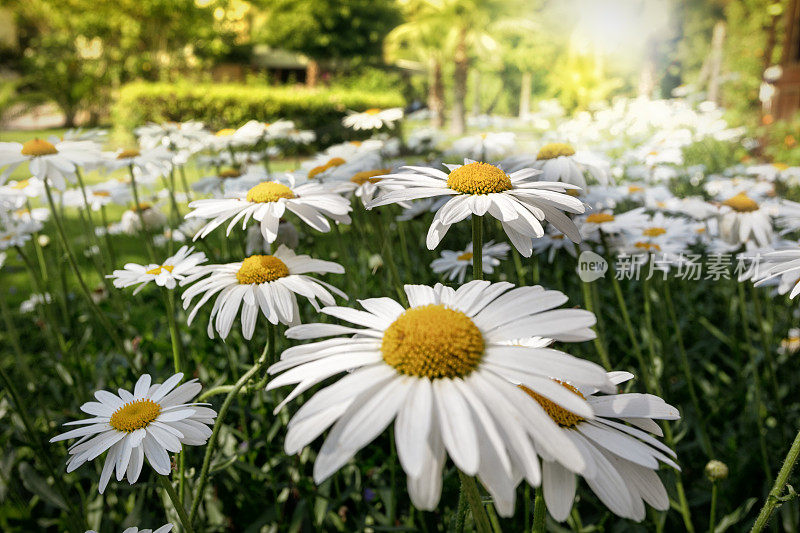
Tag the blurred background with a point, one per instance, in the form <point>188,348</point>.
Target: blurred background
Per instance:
<point>83,62</point>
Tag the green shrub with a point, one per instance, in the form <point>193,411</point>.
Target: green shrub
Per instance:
<point>231,105</point>
<point>714,154</point>
<point>782,141</point>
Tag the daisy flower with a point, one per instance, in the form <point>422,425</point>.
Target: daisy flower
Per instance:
<point>247,135</point>
<point>454,264</point>
<point>784,263</point>
<point>268,283</point>
<point>147,423</point>
<point>131,223</point>
<point>155,161</point>
<point>267,202</point>
<point>166,528</point>
<point>483,146</point>
<point>560,162</point>
<point>173,269</point>
<point>791,344</point>
<point>372,119</point>
<point>551,242</point>
<point>743,219</point>
<point>440,370</point>
<point>519,202</point>
<point>48,159</point>
<point>14,233</point>
<point>215,183</point>
<point>611,223</point>
<point>622,458</point>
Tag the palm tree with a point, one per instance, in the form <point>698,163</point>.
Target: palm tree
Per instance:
<point>422,40</point>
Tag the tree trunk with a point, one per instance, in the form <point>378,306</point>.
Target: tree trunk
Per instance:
<point>715,67</point>
<point>476,96</point>
<point>525,94</point>
<point>69,116</point>
<point>436,93</point>
<point>461,60</point>
<point>312,73</point>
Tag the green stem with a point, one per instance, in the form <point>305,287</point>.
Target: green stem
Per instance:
<point>148,239</point>
<point>166,484</point>
<point>712,515</point>
<point>757,390</point>
<point>687,371</point>
<point>109,327</point>
<point>477,247</point>
<point>773,498</point>
<point>588,303</point>
<point>539,512</point>
<point>388,254</point>
<point>212,441</point>
<point>470,490</point>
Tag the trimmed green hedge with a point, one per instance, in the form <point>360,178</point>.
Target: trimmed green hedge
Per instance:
<point>231,105</point>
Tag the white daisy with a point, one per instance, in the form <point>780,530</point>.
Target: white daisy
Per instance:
<point>372,119</point>
<point>51,159</point>
<point>267,202</point>
<point>151,421</point>
<point>173,269</point>
<point>131,223</point>
<point>519,202</point>
<point>455,264</point>
<point>266,282</point>
<point>17,233</point>
<point>784,263</point>
<point>560,162</point>
<point>440,369</point>
<point>551,242</point>
<point>742,219</point>
<point>247,135</point>
<point>611,223</point>
<point>151,162</point>
<point>483,146</point>
<point>622,458</point>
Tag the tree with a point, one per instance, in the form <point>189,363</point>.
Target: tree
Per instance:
<point>327,29</point>
<point>422,39</point>
<point>75,52</point>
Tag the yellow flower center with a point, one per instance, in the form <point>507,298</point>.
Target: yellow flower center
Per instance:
<point>135,415</point>
<point>129,154</point>
<point>654,232</point>
<point>635,188</point>
<point>269,191</point>
<point>37,147</point>
<point>21,184</point>
<point>433,341</point>
<point>560,416</point>
<point>261,269</point>
<point>225,132</point>
<point>647,246</point>
<point>478,178</point>
<point>334,162</point>
<point>599,218</point>
<point>369,176</point>
<point>741,203</point>
<point>229,173</point>
<point>466,256</point>
<point>157,270</point>
<point>372,111</point>
<point>780,166</point>
<point>102,194</point>
<point>553,150</point>
<point>144,206</point>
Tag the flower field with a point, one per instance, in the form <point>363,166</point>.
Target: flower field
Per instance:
<point>554,323</point>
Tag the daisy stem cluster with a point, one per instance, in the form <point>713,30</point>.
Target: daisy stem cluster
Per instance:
<point>148,237</point>
<point>109,327</point>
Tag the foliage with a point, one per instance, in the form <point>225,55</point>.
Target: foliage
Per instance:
<point>714,155</point>
<point>783,141</point>
<point>327,29</point>
<point>231,105</point>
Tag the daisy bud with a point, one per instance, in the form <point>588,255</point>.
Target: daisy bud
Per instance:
<point>716,470</point>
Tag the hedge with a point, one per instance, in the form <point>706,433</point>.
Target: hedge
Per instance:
<point>231,105</point>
